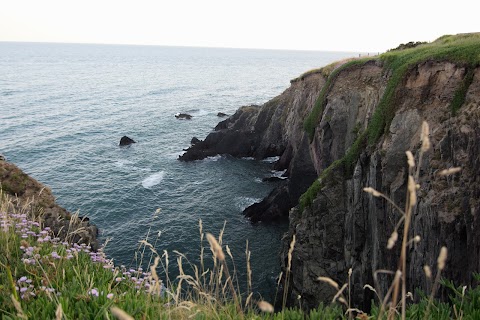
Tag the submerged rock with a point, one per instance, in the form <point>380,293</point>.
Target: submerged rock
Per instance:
<point>184,116</point>
<point>125,141</point>
<point>221,114</point>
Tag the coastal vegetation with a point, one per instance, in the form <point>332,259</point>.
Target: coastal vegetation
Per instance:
<point>47,272</point>
<point>463,49</point>
<point>44,277</point>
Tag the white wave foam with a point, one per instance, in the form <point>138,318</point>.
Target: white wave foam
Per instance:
<point>122,163</point>
<point>248,158</point>
<point>129,165</point>
<point>271,159</point>
<point>153,179</point>
<point>279,174</point>
<point>214,158</point>
<point>243,202</point>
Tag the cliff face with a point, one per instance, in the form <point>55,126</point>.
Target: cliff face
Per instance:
<point>274,129</point>
<point>360,121</point>
<point>348,228</point>
<point>29,196</point>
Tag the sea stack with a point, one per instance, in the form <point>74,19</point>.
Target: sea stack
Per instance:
<point>125,141</point>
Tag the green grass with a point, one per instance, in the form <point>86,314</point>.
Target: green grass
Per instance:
<point>460,93</point>
<point>461,49</point>
<point>315,115</point>
<point>66,281</point>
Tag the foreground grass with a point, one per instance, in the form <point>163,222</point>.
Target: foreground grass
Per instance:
<point>42,277</point>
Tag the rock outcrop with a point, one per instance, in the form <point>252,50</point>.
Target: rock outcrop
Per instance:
<point>183,116</point>
<point>274,129</point>
<point>28,195</point>
<point>361,117</point>
<point>125,141</point>
<point>347,228</point>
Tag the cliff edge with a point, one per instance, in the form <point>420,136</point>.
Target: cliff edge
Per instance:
<point>30,196</point>
<point>347,126</point>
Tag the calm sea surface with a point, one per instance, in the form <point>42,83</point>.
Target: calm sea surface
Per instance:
<point>64,107</point>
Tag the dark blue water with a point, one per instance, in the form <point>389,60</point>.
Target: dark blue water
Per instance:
<point>64,107</point>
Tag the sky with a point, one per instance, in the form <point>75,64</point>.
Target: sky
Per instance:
<point>340,25</point>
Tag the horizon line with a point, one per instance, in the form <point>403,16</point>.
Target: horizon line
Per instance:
<point>183,46</point>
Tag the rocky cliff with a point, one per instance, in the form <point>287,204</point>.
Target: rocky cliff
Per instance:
<point>348,126</point>
<point>29,196</point>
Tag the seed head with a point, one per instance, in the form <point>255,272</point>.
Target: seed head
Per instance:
<point>265,306</point>
<point>216,248</point>
<point>442,258</point>
<point>372,191</point>
<point>424,136</point>
<point>449,171</point>
<point>410,159</point>
<point>392,240</point>
<point>428,271</point>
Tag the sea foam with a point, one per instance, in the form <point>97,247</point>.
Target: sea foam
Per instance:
<point>153,179</point>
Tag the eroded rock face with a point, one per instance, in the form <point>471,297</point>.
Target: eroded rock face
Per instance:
<point>274,129</point>
<point>348,228</point>
<point>24,190</point>
<point>345,227</point>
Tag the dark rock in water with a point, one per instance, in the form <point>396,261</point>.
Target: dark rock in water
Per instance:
<point>2,158</point>
<point>273,179</point>
<point>272,208</point>
<point>221,114</point>
<point>125,141</point>
<point>185,116</point>
<point>194,141</point>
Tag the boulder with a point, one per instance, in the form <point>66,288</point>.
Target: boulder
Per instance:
<point>125,141</point>
<point>183,116</point>
<point>194,141</point>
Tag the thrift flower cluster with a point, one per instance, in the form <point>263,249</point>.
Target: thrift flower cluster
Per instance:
<point>34,238</point>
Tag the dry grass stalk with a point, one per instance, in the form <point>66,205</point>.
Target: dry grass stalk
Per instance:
<point>215,246</point>
<point>287,274</point>
<point>449,171</point>
<point>249,275</point>
<point>18,307</point>
<point>120,314</point>
<point>59,312</point>
<point>329,281</point>
<point>218,253</point>
<point>441,260</point>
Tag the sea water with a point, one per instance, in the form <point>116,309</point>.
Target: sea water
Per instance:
<point>64,108</point>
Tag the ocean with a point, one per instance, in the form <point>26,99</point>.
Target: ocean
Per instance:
<point>64,108</point>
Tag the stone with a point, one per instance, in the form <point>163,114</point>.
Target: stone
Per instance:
<point>183,116</point>
<point>194,141</point>
<point>125,141</point>
<point>221,115</point>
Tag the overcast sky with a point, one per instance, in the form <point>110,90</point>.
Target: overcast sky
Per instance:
<point>340,25</point>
